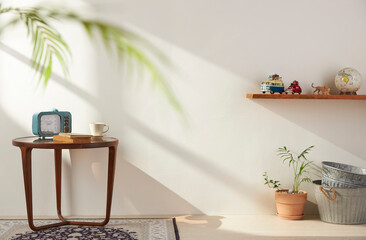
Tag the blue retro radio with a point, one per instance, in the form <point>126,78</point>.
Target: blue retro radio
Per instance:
<point>48,124</point>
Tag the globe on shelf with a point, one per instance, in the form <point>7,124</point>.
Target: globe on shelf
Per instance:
<point>348,81</point>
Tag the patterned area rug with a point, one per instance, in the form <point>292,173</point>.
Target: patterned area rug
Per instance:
<point>116,229</point>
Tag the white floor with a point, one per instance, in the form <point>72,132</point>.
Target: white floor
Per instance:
<point>263,227</point>
<point>242,227</point>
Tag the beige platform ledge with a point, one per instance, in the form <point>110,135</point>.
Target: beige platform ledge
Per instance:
<point>242,227</point>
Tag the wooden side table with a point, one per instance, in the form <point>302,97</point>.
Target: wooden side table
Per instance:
<point>26,145</point>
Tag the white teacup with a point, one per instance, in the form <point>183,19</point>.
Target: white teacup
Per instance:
<point>96,129</point>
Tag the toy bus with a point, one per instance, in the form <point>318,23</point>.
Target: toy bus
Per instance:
<point>273,84</point>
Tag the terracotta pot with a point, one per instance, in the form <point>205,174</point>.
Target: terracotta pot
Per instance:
<point>290,206</point>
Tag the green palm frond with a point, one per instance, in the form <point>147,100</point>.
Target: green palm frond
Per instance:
<point>121,39</point>
<point>285,155</point>
<point>303,167</point>
<point>303,154</point>
<point>48,44</point>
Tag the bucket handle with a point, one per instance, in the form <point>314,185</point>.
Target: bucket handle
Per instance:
<point>334,193</point>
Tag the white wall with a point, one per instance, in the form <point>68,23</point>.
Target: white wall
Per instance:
<point>213,163</point>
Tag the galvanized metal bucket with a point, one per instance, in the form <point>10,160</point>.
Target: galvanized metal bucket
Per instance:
<point>342,175</point>
<point>341,205</point>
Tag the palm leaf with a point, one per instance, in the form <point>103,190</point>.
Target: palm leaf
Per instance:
<point>306,151</point>
<point>48,43</point>
<point>118,38</point>
<point>303,166</point>
<point>285,155</point>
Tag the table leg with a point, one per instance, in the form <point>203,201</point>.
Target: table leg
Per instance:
<point>58,177</point>
<point>27,174</point>
<point>111,173</point>
<point>110,183</point>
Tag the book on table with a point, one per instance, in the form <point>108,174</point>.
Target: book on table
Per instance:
<point>72,138</point>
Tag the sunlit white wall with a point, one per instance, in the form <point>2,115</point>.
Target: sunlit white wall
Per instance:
<point>211,159</point>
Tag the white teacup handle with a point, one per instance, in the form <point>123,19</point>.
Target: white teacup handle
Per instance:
<point>107,128</point>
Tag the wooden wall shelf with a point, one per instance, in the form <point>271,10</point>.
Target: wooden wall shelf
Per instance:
<point>304,96</point>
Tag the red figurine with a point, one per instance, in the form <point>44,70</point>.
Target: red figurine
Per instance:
<point>294,88</point>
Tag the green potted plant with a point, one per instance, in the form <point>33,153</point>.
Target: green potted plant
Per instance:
<point>290,202</point>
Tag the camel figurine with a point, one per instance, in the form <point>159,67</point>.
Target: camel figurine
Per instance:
<point>321,89</point>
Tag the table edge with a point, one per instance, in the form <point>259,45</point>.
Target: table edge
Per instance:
<point>61,145</point>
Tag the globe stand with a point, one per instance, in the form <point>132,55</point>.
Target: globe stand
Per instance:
<point>347,93</point>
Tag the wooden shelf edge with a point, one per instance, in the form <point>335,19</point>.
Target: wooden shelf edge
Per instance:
<point>303,96</point>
